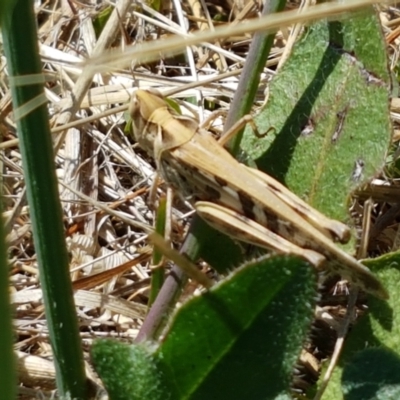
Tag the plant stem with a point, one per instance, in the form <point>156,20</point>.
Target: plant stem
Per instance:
<point>250,78</point>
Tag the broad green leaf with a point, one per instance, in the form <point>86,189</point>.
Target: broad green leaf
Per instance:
<point>373,374</point>
<point>211,241</point>
<point>380,328</point>
<point>128,372</point>
<point>241,339</point>
<point>328,113</point>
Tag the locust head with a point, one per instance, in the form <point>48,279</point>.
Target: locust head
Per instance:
<point>156,126</point>
<point>144,104</point>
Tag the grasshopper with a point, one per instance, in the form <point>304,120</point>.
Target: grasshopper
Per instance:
<point>239,201</point>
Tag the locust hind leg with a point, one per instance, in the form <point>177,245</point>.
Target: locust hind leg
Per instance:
<point>332,229</point>
<point>246,230</point>
<point>242,228</point>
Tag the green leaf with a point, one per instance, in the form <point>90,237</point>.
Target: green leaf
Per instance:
<point>99,22</point>
<point>128,125</point>
<point>373,374</point>
<point>158,274</point>
<point>241,339</point>
<point>174,105</point>
<point>207,238</point>
<point>380,328</point>
<point>329,109</point>
<point>128,372</point>
<point>155,4</point>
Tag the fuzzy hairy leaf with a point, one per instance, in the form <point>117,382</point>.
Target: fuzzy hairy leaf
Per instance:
<point>329,109</point>
<point>241,339</point>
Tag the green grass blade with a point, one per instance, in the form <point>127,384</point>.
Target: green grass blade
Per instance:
<point>158,274</point>
<point>21,50</point>
<point>8,379</point>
